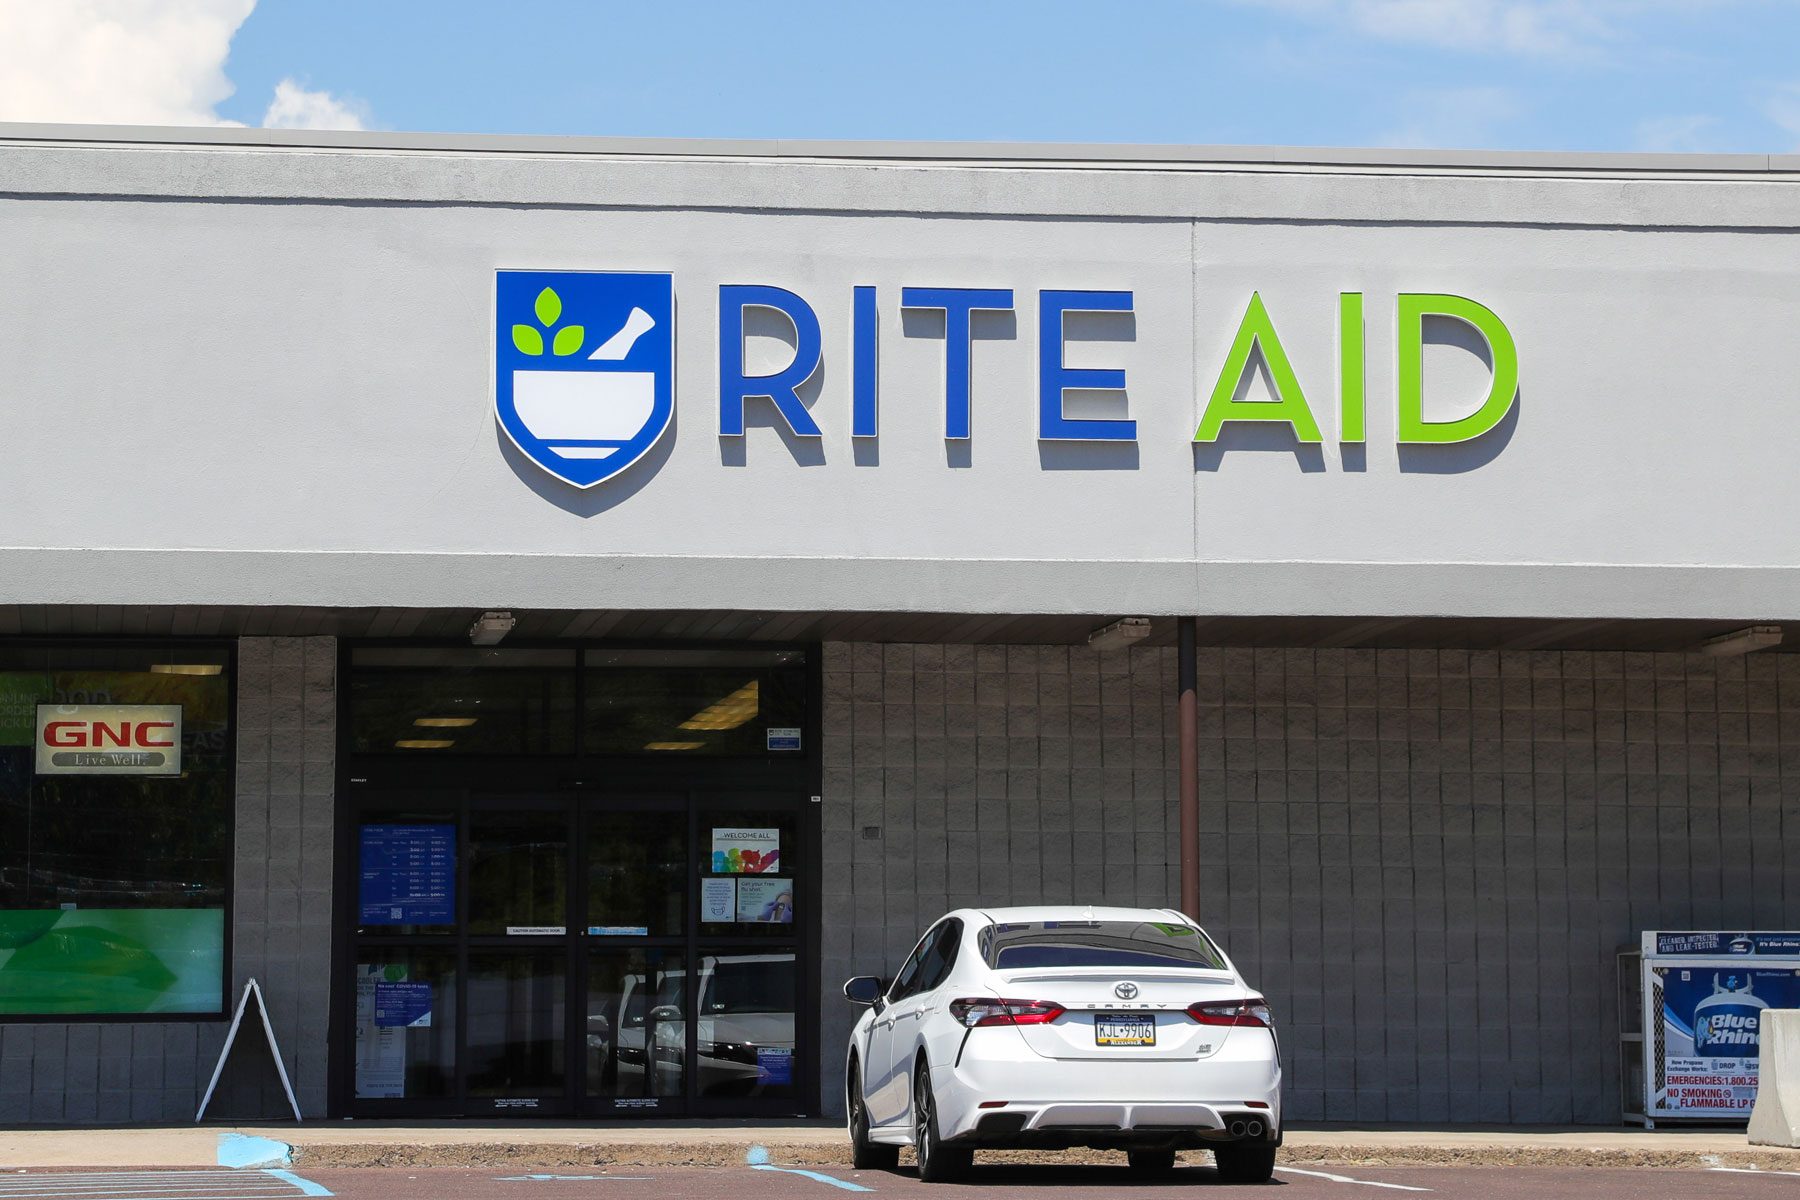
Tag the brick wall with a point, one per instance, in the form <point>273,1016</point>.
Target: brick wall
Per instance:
<point>77,1074</point>
<point>1427,859</point>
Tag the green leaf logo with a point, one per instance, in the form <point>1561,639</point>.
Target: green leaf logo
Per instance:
<point>568,340</point>
<point>548,308</point>
<point>527,339</point>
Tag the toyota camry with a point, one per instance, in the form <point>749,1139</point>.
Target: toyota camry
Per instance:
<point>1047,1028</point>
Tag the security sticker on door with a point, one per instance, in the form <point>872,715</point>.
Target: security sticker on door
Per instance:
<point>1124,1029</point>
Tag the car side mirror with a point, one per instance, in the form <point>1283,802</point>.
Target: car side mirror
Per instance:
<point>864,990</point>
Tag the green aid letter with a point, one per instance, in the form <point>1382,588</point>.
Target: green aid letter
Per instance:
<point>1255,332</point>
<point>1414,428</point>
<point>1351,371</point>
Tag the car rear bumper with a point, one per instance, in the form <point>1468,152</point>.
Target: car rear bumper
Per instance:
<point>1120,1126</point>
<point>1054,1102</point>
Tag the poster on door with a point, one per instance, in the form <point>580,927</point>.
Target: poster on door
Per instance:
<point>380,1046</point>
<point>765,901</point>
<point>1711,1027</point>
<point>745,851</point>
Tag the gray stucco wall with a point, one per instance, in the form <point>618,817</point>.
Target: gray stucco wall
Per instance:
<point>1627,295</point>
<point>79,1074</point>
<point>1426,859</point>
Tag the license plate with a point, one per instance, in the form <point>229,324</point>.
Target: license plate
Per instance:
<point>1124,1029</point>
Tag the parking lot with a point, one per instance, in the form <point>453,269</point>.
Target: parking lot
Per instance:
<point>771,1181</point>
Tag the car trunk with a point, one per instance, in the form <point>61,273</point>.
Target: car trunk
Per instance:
<point>1096,1012</point>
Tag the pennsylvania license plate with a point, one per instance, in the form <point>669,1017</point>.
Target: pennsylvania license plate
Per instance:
<point>1124,1029</point>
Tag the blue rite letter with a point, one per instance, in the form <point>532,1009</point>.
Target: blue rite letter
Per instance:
<point>1054,378</point>
<point>865,356</point>
<point>735,387</point>
<point>957,304</point>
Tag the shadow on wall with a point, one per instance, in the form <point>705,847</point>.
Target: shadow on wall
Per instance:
<point>1449,458</point>
<point>1275,437</point>
<point>759,411</point>
<point>1454,458</point>
<point>985,325</point>
<point>1093,403</point>
<point>594,501</point>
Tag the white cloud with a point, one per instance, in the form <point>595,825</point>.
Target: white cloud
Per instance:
<point>1547,28</point>
<point>136,62</point>
<point>1782,106</point>
<point>139,62</point>
<point>1453,118</point>
<point>1676,134</point>
<point>294,107</point>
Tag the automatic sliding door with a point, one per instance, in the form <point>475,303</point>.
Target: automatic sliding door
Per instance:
<point>404,1006</point>
<point>635,861</point>
<point>750,888</point>
<point>637,1029</point>
<point>515,1053</point>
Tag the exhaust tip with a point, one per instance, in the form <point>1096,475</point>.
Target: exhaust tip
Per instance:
<point>1254,1129</point>
<point>1238,1129</point>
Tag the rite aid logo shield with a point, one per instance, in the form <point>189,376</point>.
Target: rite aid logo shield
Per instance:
<point>584,368</point>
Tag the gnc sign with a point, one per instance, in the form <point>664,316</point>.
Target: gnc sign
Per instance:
<point>109,739</point>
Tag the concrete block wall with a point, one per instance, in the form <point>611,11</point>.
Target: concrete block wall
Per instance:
<point>112,1073</point>
<point>1427,859</point>
<point>966,775</point>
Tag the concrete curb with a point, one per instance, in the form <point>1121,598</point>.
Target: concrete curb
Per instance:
<point>835,1153</point>
<point>822,1143</point>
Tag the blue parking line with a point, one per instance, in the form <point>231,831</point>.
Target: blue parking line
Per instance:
<point>758,1160</point>
<point>837,1183</point>
<point>307,1187</point>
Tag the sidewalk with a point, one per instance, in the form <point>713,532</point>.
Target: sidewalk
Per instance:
<point>815,1143</point>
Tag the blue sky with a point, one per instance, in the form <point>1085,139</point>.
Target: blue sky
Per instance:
<point>1523,74</point>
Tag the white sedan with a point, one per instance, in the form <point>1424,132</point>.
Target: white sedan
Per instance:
<point>1021,1028</point>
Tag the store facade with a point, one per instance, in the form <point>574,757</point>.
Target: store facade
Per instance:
<point>805,477</point>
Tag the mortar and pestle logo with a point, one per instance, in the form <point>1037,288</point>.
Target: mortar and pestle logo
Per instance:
<point>585,417</point>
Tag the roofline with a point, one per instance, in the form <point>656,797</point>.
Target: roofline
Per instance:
<point>1065,153</point>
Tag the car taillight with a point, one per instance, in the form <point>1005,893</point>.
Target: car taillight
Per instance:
<point>976,1012</point>
<point>1253,1012</point>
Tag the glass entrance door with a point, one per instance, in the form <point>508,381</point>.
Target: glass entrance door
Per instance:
<point>561,954</point>
<point>692,955</point>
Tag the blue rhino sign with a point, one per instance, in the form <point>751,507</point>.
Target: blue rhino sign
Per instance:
<point>584,368</point>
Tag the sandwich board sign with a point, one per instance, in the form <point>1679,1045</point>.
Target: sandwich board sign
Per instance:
<point>237,1019</point>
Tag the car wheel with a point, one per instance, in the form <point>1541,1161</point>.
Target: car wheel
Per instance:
<point>866,1155</point>
<point>938,1163</point>
<point>1245,1164</point>
<point>1150,1162</point>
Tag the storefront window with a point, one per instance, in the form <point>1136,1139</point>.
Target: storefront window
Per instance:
<point>115,829</point>
<point>688,703</point>
<point>462,700</point>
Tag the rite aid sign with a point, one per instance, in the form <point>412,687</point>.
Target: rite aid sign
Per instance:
<point>584,364</point>
<point>109,739</point>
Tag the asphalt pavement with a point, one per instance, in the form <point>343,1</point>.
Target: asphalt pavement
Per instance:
<point>999,1182</point>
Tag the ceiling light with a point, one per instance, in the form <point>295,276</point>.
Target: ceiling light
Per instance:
<point>490,627</point>
<point>1743,641</point>
<point>739,708</point>
<point>1121,633</point>
<point>673,745</point>
<point>186,668</point>
<point>424,744</point>
<point>445,722</point>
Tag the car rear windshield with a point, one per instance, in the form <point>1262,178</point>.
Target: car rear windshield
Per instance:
<point>1141,944</point>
